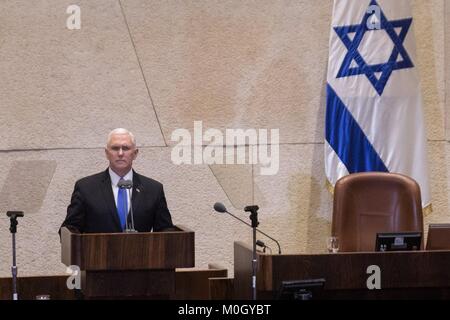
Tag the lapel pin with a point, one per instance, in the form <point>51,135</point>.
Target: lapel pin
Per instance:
<point>138,190</point>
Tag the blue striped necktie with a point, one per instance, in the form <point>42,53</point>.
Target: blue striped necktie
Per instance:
<point>122,206</point>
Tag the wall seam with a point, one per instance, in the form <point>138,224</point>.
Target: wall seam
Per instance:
<point>142,71</point>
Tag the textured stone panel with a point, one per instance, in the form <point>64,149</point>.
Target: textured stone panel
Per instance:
<point>429,26</point>
<point>295,206</point>
<point>447,67</point>
<point>235,64</point>
<point>438,157</point>
<point>65,88</point>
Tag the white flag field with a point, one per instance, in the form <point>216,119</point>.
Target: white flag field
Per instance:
<point>374,116</point>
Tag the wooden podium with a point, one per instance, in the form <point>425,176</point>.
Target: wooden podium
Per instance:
<point>404,274</point>
<point>128,265</point>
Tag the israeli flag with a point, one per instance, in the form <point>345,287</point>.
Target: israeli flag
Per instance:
<point>374,119</point>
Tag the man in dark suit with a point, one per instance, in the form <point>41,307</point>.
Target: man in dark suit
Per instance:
<point>99,205</point>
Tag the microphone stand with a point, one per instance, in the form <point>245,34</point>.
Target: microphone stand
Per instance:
<point>219,207</point>
<point>248,224</point>
<point>13,215</point>
<point>128,185</point>
<point>254,219</point>
<point>131,213</point>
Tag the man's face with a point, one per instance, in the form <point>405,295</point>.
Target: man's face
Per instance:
<point>121,153</point>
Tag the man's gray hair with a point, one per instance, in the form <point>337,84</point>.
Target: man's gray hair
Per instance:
<point>121,131</point>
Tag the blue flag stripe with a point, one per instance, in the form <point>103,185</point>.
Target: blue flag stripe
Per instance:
<point>347,139</point>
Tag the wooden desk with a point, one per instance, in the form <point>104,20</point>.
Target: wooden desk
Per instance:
<point>404,275</point>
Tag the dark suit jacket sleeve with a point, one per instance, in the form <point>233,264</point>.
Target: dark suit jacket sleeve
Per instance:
<point>76,211</point>
<point>163,219</point>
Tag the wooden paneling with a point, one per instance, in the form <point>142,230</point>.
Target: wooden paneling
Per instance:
<point>128,251</point>
<point>194,284</point>
<point>134,284</point>
<point>190,284</point>
<point>243,271</point>
<point>29,287</point>
<point>128,265</point>
<point>221,288</point>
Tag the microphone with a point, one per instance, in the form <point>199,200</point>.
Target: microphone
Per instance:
<point>13,215</point>
<point>219,207</point>
<point>128,184</point>
<point>261,244</point>
<point>125,184</point>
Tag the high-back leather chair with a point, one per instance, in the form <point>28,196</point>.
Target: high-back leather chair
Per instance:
<point>372,202</point>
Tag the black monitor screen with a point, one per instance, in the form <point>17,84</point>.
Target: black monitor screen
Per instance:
<point>399,241</point>
<point>300,289</point>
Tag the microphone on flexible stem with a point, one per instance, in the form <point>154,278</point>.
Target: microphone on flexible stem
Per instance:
<point>128,184</point>
<point>219,207</point>
<point>261,244</point>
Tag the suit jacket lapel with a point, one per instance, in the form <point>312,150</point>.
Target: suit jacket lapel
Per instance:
<point>136,197</point>
<point>109,198</point>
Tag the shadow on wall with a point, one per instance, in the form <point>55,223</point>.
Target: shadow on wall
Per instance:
<point>319,228</point>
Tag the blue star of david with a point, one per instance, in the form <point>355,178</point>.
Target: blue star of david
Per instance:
<point>385,69</point>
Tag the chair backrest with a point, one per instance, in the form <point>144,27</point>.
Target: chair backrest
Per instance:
<point>371,202</point>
